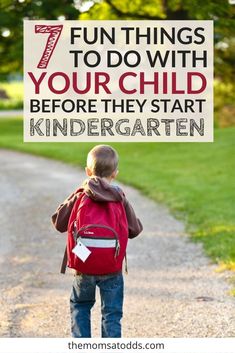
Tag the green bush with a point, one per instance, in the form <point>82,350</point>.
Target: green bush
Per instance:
<point>224,104</point>
<point>13,92</point>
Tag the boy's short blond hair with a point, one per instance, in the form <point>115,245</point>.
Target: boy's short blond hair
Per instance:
<point>102,161</point>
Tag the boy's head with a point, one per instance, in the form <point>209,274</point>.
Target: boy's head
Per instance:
<point>102,161</point>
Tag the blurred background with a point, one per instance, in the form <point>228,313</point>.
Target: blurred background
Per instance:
<point>12,13</point>
<point>196,181</point>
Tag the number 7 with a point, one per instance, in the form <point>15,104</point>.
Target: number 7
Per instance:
<point>54,34</point>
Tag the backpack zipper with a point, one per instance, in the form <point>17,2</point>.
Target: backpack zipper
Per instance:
<point>77,234</point>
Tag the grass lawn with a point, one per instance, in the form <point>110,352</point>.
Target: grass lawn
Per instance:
<point>196,180</point>
<point>14,91</point>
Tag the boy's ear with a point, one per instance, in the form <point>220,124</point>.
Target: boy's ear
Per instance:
<point>88,172</point>
<point>114,174</point>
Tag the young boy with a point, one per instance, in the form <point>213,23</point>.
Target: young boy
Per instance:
<point>102,168</point>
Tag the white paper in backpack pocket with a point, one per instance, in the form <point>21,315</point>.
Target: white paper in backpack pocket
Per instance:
<point>81,251</point>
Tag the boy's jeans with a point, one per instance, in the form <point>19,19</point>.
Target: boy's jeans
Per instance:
<point>83,298</point>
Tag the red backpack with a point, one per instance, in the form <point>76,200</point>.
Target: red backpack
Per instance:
<point>102,227</point>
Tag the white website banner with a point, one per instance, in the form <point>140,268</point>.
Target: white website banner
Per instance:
<point>118,81</point>
<point>131,345</point>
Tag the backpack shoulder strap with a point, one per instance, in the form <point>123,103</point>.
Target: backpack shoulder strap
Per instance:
<point>65,257</point>
<point>64,262</point>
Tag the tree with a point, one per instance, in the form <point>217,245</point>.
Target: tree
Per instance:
<point>12,14</point>
<point>220,11</point>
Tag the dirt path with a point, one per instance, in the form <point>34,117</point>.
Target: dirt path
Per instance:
<point>167,273</point>
<point>10,113</point>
